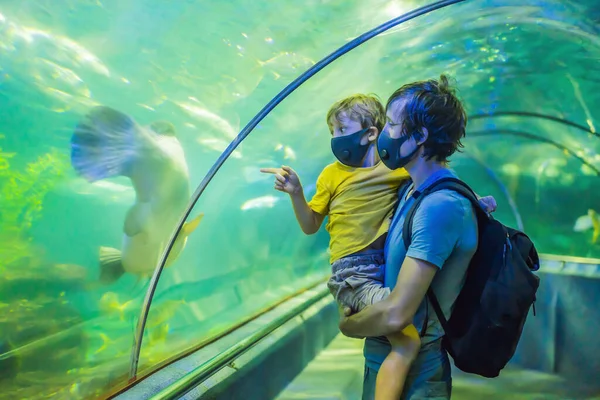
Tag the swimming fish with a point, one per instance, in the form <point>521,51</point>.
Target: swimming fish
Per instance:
<point>106,341</point>
<point>591,220</point>
<point>211,119</point>
<point>259,202</point>
<point>108,143</point>
<point>287,64</point>
<point>109,303</point>
<point>162,312</point>
<point>158,334</point>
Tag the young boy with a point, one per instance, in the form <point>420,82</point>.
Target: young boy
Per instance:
<point>358,194</point>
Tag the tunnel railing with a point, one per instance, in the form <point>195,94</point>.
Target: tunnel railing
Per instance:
<point>552,264</point>
<point>207,369</point>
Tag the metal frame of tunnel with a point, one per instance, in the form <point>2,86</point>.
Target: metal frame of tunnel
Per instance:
<point>534,137</point>
<point>529,136</point>
<point>278,99</point>
<point>529,114</point>
<point>511,202</point>
<point>139,333</point>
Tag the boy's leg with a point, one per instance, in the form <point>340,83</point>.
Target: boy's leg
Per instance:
<point>394,370</point>
<point>430,379</point>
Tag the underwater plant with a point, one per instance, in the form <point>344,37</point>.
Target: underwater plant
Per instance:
<point>32,290</point>
<point>21,198</point>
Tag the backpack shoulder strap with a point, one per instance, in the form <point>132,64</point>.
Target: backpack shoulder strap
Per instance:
<point>401,193</point>
<point>403,189</point>
<point>443,184</point>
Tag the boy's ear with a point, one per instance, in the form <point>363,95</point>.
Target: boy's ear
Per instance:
<point>373,133</point>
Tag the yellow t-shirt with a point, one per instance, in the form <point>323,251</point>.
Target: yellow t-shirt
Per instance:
<point>359,203</point>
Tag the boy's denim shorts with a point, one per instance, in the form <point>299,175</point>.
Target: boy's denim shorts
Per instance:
<point>357,280</point>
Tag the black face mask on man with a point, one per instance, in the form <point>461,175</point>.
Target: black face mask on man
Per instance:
<point>348,149</point>
<point>389,150</point>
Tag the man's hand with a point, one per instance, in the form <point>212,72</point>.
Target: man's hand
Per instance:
<point>345,313</point>
<point>488,203</point>
<point>395,312</point>
<point>286,179</point>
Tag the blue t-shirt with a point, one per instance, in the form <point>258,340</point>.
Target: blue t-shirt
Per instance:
<point>445,234</point>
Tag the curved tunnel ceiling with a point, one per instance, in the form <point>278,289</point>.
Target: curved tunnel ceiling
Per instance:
<point>505,72</point>
<point>244,133</point>
<point>527,70</point>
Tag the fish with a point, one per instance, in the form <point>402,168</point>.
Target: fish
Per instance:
<point>107,143</point>
<point>287,64</point>
<point>288,152</point>
<point>219,145</point>
<point>106,342</point>
<point>162,312</point>
<point>158,334</point>
<point>214,121</point>
<point>109,303</point>
<point>105,191</point>
<point>260,202</point>
<point>591,220</point>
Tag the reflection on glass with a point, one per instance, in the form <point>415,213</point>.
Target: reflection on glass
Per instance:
<point>67,333</point>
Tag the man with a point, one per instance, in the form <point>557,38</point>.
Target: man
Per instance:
<point>425,123</point>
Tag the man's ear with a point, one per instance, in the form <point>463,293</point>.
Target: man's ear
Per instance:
<point>423,137</point>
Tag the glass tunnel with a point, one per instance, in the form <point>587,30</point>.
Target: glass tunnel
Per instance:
<point>244,85</point>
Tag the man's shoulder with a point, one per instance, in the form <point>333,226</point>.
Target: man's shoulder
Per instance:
<point>446,202</point>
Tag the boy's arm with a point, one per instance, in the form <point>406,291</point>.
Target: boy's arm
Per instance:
<point>288,181</point>
<point>310,221</point>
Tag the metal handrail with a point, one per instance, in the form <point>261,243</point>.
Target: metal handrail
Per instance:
<point>570,259</point>
<point>208,368</point>
<point>204,371</point>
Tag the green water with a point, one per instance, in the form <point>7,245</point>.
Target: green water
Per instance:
<point>149,59</point>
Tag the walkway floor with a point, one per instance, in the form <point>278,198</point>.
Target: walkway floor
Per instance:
<point>336,374</point>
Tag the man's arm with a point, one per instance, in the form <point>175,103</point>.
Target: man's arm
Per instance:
<point>437,227</point>
<point>396,312</point>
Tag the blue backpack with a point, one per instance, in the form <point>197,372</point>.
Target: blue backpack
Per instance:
<point>487,320</point>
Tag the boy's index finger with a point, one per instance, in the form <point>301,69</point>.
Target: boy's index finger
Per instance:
<point>273,171</point>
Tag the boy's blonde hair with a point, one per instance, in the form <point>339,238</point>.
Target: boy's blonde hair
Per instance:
<point>364,108</point>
